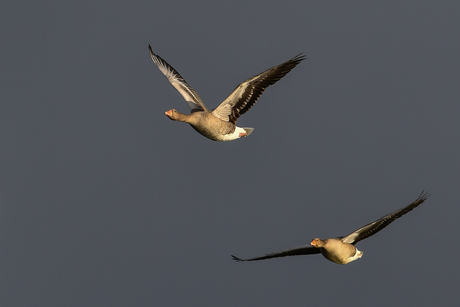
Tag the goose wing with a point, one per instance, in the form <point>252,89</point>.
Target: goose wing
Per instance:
<point>190,95</point>
<point>300,250</point>
<point>374,227</point>
<point>248,92</point>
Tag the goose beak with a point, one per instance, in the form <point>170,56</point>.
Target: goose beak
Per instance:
<point>168,113</point>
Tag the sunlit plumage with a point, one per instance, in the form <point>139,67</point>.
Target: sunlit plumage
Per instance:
<point>220,124</point>
<point>342,250</point>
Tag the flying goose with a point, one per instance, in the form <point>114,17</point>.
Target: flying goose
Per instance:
<point>220,124</point>
<point>342,250</point>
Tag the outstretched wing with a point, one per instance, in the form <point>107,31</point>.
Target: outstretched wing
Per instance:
<point>374,227</point>
<point>190,95</point>
<point>300,250</point>
<point>247,93</point>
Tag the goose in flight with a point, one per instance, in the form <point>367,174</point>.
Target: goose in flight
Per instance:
<point>220,124</point>
<point>342,250</point>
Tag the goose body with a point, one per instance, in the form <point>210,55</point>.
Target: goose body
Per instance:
<point>342,250</point>
<point>220,124</point>
<point>336,250</point>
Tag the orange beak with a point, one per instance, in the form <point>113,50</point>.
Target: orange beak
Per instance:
<point>168,113</point>
<point>313,243</point>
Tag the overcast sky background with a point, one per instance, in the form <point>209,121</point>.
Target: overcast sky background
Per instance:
<point>106,202</point>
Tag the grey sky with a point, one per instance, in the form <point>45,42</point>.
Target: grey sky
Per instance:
<point>106,202</point>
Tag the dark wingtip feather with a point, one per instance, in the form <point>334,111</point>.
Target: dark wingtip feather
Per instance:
<point>423,196</point>
<point>298,58</point>
<point>236,258</point>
